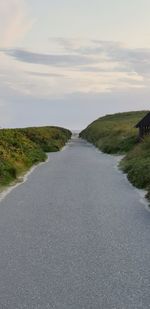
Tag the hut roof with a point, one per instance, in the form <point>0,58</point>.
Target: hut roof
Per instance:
<point>144,122</point>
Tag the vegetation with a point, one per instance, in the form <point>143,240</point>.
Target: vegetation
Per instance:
<point>22,148</point>
<point>137,165</point>
<point>115,134</point>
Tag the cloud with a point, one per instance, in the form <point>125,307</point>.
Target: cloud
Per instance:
<point>97,56</point>
<point>88,66</point>
<point>127,59</point>
<point>41,74</point>
<point>14,21</point>
<point>85,46</point>
<point>107,69</point>
<point>62,60</point>
<point>65,44</point>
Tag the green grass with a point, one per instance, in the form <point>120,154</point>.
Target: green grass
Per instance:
<point>22,148</point>
<point>137,165</point>
<point>115,134</point>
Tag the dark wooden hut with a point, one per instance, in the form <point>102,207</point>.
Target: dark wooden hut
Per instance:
<point>144,126</point>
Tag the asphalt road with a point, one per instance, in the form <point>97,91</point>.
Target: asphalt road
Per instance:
<point>75,236</point>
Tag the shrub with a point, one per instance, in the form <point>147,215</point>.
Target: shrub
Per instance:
<point>21,148</point>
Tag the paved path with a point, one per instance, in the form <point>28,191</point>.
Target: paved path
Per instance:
<point>75,236</point>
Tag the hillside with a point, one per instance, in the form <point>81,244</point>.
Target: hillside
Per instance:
<point>22,148</point>
<point>115,134</point>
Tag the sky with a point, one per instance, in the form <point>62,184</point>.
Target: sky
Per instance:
<point>68,62</point>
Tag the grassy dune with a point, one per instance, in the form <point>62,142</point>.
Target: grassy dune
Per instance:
<point>115,134</point>
<point>22,148</point>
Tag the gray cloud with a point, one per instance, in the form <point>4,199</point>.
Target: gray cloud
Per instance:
<point>130,59</point>
<point>67,44</point>
<point>61,60</point>
<point>100,48</point>
<point>94,46</point>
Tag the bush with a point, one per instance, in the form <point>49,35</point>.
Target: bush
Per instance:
<point>116,134</point>
<point>137,165</point>
<point>21,148</point>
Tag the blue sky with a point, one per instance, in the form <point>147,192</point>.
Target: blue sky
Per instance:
<point>69,62</point>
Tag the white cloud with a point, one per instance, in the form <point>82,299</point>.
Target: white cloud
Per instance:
<point>14,21</point>
<point>75,66</point>
<point>85,67</point>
